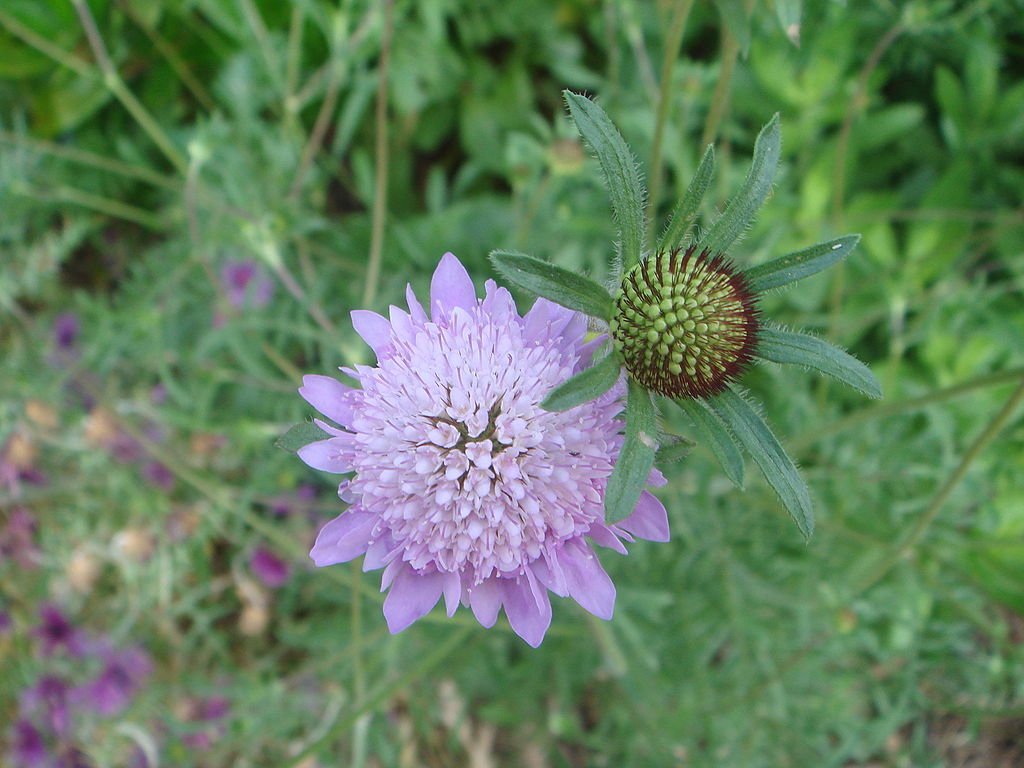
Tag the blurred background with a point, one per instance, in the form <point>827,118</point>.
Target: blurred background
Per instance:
<point>195,193</point>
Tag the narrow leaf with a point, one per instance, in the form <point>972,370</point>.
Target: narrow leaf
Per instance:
<point>620,173</point>
<point>688,207</point>
<point>744,206</point>
<point>672,449</point>
<point>753,434</point>
<point>793,348</point>
<point>585,385</point>
<point>800,264</point>
<point>713,433</point>
<point>637,457</point>
<point>559,285</point>
<point>299,436</point>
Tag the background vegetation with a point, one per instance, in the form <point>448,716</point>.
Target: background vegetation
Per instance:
<point>195,193</point>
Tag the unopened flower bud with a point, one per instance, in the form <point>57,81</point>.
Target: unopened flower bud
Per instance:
<point>134,543</point>
<point>253,620</point>
<point>82,571</point>
<point>21,452</point>
<point>685,323</point>
<point>41,414</point>
<point>101,428</point>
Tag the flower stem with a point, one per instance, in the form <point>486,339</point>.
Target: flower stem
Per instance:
<point>114,83</point>
<point>903,406</point>
<point>380,196</point>
<point>673,40</point>
<point>913,536</point>
<point>720,98</point>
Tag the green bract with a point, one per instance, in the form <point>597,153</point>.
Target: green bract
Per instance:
<point>684,322</point>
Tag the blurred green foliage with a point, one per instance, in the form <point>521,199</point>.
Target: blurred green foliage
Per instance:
<point>142,158</point>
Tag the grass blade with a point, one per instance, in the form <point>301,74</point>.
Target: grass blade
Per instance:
<point>559,285</point>
<point>753,434</point>
<point>636,458</point>
<point>620,173</point>
<point>585,385</point>
<point>793,348</point>
<point>800,264</point>
<point>744,206</point>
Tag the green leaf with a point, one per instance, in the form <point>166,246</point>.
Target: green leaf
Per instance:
<point>736,17</point>
<point>637,457</point>
<point>713,433</point>
<point>300,435</point>
<point>744,206</point>
<point>789,13</point>
<point>688,207</point>
<point>780,346</point>
<point>585,385</point>
<point>753,434</point>
<point>800,264</point>
<point>673,448</point>
<point>559,285</point>
<point>620,173</point>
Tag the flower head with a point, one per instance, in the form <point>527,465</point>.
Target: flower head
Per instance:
<point>269,568</point>
<point>109,693</point>
<point>685,323</point>
<point>246,284</point>
<point>463,485</point>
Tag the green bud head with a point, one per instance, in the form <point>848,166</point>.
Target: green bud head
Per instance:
<point>685,323</point>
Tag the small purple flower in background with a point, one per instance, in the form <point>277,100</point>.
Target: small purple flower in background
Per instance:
<point>158,475</point>
<point>46,703</point>
<point>463,485</point>
<point>66,329</point>
<point>207,711</point>
<point>246,284</point>
<point>6,625</point>
<point>28,749</point>
<point>124,671</point>
<point>269,568</point>
<point>54,631</point>
<point>18,538</point>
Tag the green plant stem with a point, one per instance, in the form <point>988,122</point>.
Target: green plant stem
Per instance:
<point>387,690</point>
<point>858,102</point>
<point>45,47</point>
<point>900,550</point>
<point>380,196</point>
<point>673,40</point>
<point>178,64</point>
<point>720,98</point>
<point>902,406</point>
<point>259,31</point>
<point>112,80</point>
<point>104,205</point>
<point>84,157</point>
<point>913,536</point>
<point>323,117</point>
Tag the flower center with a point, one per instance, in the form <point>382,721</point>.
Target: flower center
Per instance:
<point>685,323</point>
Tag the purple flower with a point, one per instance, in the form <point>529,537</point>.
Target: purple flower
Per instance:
<point>124,671</point>
<point>18,538</point>
<point>66,328</point>
<point>158,475</point>
<point>28,750</point>
<point>269,568</point>
<point>55,631</point>
<point>46,702</point>
<point>5,622</point>
<point>463,485</point>
<point>246,284</point>
<point>208,710</point>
